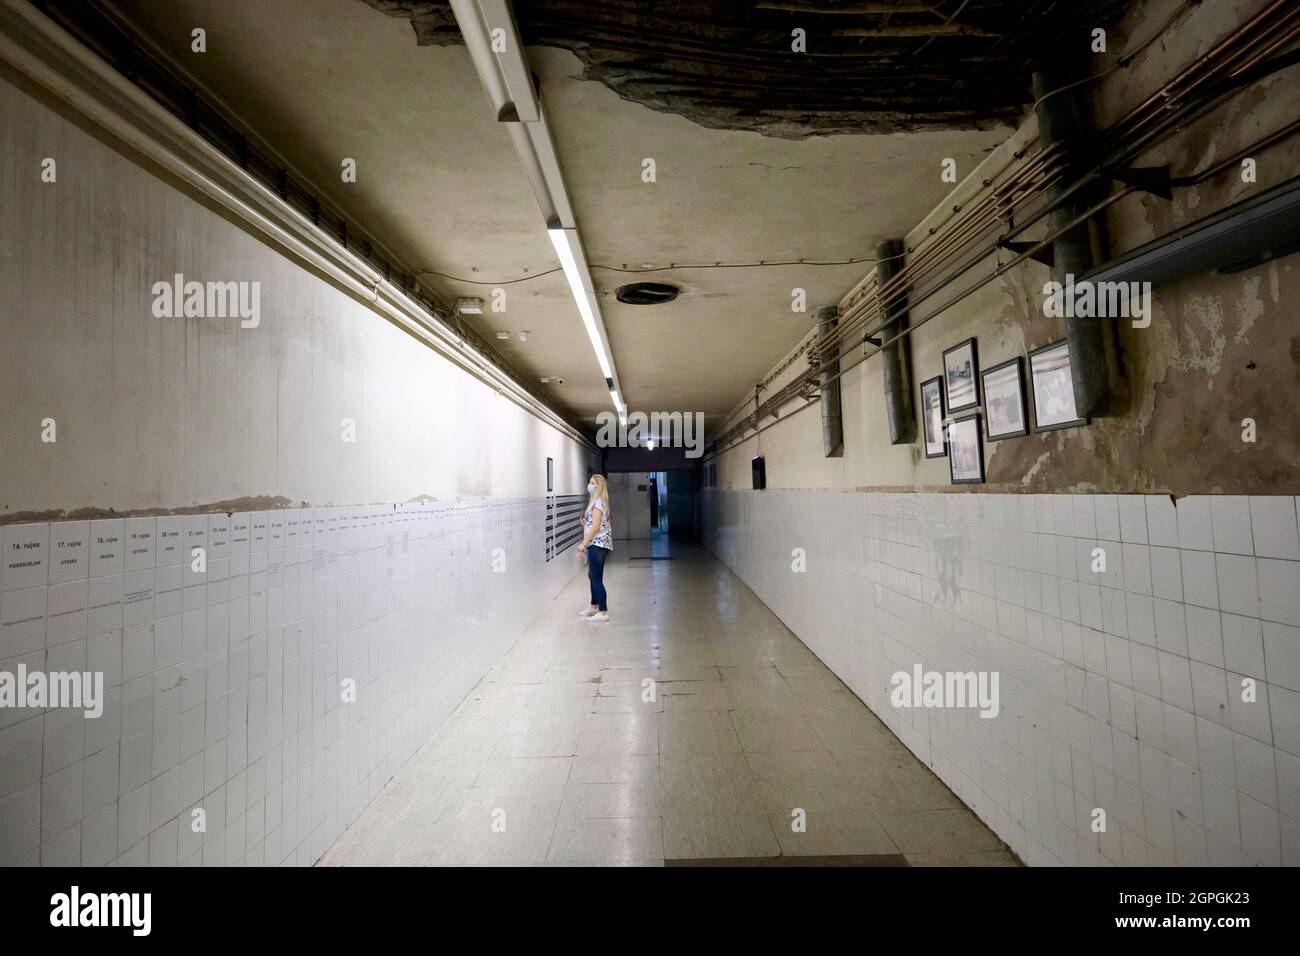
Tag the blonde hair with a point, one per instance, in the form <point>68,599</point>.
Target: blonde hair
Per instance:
<point>601,492</point>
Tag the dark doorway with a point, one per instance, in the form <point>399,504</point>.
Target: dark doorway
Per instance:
<point>673,504</point>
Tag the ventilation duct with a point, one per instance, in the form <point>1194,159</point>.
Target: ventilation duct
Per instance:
<point>897,367</point>
<point>1244,234</point>
<point>646,293</point>
<point>832,416</point>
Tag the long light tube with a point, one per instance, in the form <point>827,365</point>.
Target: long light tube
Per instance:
<point>583,299</point>
<point>504,72</point>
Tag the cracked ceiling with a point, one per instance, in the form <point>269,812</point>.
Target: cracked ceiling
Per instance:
<point>879,67</point>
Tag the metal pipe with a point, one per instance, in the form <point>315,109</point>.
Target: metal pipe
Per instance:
<point>793,387</point>
<point>1063,119</point>
<point>832,417</point>
<point>1243,74</point>
<point>896,371</point>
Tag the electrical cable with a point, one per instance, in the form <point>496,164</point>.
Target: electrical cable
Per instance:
<point>1210,67</point>
<point>671,267</point>
<point>1125,58</point>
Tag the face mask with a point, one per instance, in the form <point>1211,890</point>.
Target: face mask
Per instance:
<point>591,489</point>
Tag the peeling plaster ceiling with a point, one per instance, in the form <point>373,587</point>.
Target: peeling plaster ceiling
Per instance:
<point>799,68</point>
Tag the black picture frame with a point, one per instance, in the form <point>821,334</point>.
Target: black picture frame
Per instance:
<point>550,474</point>
<point>1019,398</point>
<point>937,386</point>
<point>959,430</point>
<point>974,376</point>
<point>1034,388</point>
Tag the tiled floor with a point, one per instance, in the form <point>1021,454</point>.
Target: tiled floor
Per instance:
<point>692,726</point>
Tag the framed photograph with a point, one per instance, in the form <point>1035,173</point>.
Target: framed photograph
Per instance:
<point>961,376</point>
<point>1005,413</point>
<point>1049,371</point>
<point>550,474</point>
<point>966,451</point>
<point>932,417</point>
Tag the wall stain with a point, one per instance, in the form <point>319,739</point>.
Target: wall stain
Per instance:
<point>228,506</point>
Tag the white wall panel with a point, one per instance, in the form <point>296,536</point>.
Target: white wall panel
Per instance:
<point>224,686</point>
<point>1120,690</point>
<point>224,689</point>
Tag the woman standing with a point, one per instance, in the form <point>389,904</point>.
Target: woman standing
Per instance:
<point>597,543</point>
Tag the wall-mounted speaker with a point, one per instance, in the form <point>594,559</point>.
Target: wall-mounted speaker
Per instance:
<point>760,473</point>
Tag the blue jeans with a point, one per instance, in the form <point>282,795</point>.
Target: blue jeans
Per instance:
<point>596,572</point>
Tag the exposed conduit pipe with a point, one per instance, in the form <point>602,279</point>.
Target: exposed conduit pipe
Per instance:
<point>832,418</point>
<point>1063,119</point>
<point>897,362</point>
<point>1175,113</point>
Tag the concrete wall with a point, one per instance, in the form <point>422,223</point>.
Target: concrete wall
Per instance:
<point>223,685</point>
<point>1220,348</point>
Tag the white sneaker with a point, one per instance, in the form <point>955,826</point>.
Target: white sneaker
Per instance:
<point>586,612</point>
<point>598,616</point>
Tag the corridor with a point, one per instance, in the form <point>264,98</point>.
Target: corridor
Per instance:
<point>931,366</point>
<point>565,754</point>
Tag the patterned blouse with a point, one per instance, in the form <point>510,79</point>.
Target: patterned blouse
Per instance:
<point>605,537</point>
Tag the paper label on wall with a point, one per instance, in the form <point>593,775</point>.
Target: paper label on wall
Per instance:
<point>258,540</point>
<point>106,546</point>
<point>66,612</point>
<point>137,597</point>
<point>104,608</point>
<point>171,541</point>
<point>26,550</point>
<point>239,533</point>
<point>141,535</point>
<point>69,551</point>
<point>22,621</point>
<point>218,537</point>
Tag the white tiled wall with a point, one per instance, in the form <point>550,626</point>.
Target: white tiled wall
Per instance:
<point>223,688</point>
<point>1119,690</point>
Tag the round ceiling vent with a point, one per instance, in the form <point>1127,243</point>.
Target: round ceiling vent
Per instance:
<point>646,293</point>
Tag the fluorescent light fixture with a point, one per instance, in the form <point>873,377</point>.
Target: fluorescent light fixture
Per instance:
<point>492,39</point>
<point>566,243</point>
<point>498,55</point>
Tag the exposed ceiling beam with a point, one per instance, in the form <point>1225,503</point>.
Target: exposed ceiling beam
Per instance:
<point>881,6</point>
<point>918,30</point>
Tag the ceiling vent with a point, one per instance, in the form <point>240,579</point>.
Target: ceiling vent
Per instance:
<point>646,293</point>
